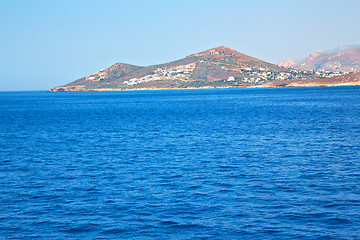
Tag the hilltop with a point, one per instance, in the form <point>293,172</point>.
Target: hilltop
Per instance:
<point>288,63</point>
<point>216,67</point>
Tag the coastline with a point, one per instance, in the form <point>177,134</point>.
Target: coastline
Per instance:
<point>290,85</point>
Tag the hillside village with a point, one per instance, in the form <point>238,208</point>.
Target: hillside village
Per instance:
<point>257,76</point>
<point>182,72</point>
<point>250,75</point>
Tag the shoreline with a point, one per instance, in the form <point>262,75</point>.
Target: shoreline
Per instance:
<point>192,88</point>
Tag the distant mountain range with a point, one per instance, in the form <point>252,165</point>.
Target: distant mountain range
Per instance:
<point>344,59</point>
<point>214,68</point>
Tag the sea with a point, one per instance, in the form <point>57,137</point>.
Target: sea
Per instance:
<point>270,163</point>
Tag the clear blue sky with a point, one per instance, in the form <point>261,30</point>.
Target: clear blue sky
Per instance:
<point>49,43</point>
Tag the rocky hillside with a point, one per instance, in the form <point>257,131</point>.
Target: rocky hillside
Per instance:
<point>288,63</point>
<point>216,67</point>
<point>344,59</point>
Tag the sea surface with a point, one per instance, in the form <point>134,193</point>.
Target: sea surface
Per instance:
<point>278,163</point>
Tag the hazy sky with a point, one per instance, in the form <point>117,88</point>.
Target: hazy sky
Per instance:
<point>49,43</point>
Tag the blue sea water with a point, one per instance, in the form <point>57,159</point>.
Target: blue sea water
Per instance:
<point>181,164</point>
